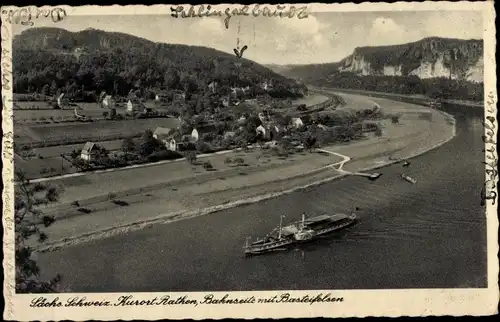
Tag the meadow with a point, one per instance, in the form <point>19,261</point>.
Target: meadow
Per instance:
<point>72,133</point>
<point>36,112</point>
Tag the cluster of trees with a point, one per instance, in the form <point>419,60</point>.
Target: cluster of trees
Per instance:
<point>83,64</point>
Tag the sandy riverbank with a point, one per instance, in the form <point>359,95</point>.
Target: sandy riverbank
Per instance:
<point>411,137</point>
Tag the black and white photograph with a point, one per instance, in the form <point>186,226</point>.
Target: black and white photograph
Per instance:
<point>263,155</point>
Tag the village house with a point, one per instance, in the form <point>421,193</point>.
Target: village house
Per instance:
<point>262,117</point>
<point>297,122</point>
<point>241,120</point>
<point>239,90</point>
<point>62,101</point>
<point>134,105</point>
<point>178,142</point>
<point>267,85</point>
<point>269,132</point>
<point>148,108</point>
<point>226,101</point>
<point>108,102</point>
<point>212,87</point>
<point>89,152</point>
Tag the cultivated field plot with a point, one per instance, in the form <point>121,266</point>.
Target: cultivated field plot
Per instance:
<point>95,131</point>
<point>33,105</point>
<point>56,151</point>
<point>35,167</point>
<point>27,112</point>
<point>178,173</point>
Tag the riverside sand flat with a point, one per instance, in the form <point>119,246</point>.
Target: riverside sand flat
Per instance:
<point>142,160</point>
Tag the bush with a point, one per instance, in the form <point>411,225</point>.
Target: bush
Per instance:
<point>204,147</point>
<point>395,119</point>
<point>238,161</point>
<point>190,156</point>
<point>228,160</point>
<point>163,155</point>
<point>207,165</point>
<point>378,132</point>
<point>302,107</point>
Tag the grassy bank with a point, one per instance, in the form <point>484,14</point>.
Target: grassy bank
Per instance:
<point>412,99</point>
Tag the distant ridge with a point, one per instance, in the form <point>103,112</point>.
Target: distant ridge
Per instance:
<point>427,58</point>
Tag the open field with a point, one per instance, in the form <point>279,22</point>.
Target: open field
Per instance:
<point>32,112</point>
<point>92,131</point>
<point>34,162</point>
<point>154,176</point>
<point>35,167</point>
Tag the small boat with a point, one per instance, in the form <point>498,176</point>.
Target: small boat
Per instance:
<point>406,164</point>
<point>408,178</point>
<point>299,232</point>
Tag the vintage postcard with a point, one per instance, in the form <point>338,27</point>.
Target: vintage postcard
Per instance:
<point>249,161</point>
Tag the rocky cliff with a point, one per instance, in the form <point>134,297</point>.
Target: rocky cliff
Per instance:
<point>427,58</point>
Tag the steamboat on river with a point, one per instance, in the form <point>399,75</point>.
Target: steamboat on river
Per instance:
<point>306,230</point>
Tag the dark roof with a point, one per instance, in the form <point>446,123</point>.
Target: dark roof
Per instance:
<point>162,131</point>
<point>88,147</point>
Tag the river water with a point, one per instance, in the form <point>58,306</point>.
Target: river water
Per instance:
<point>428,235</point>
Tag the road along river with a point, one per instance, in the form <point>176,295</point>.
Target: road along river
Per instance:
<point>426,235</point>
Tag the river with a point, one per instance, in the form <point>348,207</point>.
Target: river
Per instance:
<point>428,235</point>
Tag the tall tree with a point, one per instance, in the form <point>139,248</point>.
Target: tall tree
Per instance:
<point>29,220</point>
<point>53,88</point>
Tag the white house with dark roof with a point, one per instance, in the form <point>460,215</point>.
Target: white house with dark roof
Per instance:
<point>177,142</point>
<point>269,131</point>
<point>267,85</point>
<point>297,122</point>
<point>134,105</point>
<point>212,87</point>
<point>89,151</point>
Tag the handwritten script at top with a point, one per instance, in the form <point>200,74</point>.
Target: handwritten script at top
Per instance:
<point>279,11</point>
<point>25,16</point>
<point>489,191</point>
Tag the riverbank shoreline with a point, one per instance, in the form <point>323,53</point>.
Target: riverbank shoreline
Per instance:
<point>214,201</point>
<point>412,99</point>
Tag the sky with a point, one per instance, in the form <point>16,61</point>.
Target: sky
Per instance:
<point>320,38</point>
